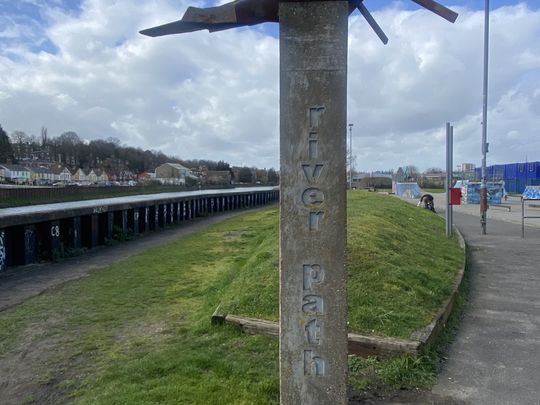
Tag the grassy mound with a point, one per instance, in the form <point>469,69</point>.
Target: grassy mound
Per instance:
<point>138,331</point>
<point>400,266</point>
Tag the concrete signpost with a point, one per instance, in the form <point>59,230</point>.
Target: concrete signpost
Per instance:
<point>313,131</point>
<point>313,115</point>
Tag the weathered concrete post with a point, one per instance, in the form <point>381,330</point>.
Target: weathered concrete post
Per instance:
<point>313,118</point>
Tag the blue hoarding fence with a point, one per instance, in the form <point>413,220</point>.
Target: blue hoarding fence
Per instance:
<point>516,176</point>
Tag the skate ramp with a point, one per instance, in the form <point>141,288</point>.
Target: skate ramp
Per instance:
<point>407,190</point>
<point>531,193</point>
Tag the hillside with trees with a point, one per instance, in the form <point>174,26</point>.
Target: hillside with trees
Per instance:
<point>72,151</point>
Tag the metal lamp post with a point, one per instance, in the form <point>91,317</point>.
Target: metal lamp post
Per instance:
<point>483,184</point>
<point>350,157</point>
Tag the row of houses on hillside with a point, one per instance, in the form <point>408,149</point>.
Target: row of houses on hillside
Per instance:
<point>19,174</point>
<point>175,173</point>
<point>167,173</point>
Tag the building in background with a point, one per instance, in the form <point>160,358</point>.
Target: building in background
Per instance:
<point>467,167</point>
<point>41,176</point>
<point>16,174</point>
<point>61,174</point>
<point>172,173</point>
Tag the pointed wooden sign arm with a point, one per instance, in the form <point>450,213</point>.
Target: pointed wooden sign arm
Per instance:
<point>438,9</point>
<point>241,13</point>
<point>372,23</point>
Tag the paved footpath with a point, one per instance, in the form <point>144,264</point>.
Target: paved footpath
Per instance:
<point>495,357</point>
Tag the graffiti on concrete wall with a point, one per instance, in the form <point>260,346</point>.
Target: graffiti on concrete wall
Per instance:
<point>30,248</point>
<point>3,263</point>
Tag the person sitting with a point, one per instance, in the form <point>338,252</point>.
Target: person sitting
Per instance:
<point>428,201</point>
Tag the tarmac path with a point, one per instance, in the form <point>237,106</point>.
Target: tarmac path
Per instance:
<point>495,357</point>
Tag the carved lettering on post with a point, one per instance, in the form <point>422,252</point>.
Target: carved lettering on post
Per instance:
<point>312,172</point>
<point>314,365</point>
<point>315,218</point>
<point>315,113</point>
<point>313,332</point>
<point>313,305</point>
<point>313,274</point>
<point>312,197</point>
<point>313,152</point>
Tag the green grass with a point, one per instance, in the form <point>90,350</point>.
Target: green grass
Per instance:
<point>399,262</point>
<point>139,330</point>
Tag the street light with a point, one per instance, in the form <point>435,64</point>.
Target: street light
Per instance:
<point>483,184</point>
<point>350,157</point>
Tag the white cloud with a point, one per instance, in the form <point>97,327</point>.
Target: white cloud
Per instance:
<point>215,96</point>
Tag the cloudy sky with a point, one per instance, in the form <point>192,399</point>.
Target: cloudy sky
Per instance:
<point>80,65</point>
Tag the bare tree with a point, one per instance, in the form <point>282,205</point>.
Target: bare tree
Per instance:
<point>43,136</point>
<point>411,172</point>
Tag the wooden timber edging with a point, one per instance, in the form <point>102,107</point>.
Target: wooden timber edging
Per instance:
<point>358,344</point>
<point>361,345</point>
